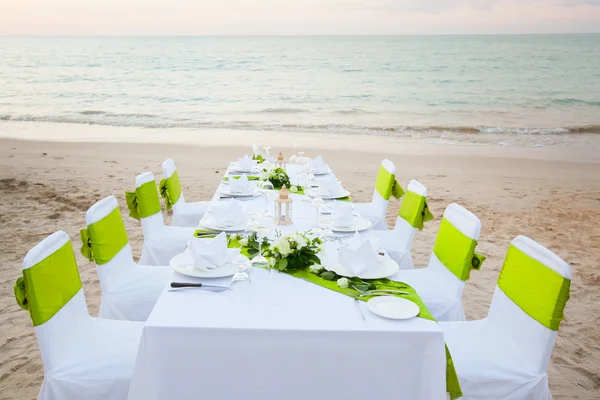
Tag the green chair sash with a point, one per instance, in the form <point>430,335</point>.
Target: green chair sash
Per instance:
<point>144,201</point>
<point>456,251</point>
<point>414,210</point>
<point>170,190</point>
<point>387,185</point>
<point>103,239</point>
<point>47,286</point>
<point>539,291</point>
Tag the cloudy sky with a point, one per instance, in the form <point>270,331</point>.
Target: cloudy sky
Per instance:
<point>216,17</point>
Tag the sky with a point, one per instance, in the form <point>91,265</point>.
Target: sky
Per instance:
<point>291,17</point>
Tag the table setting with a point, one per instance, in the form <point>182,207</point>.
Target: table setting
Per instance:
<point>286,283</point>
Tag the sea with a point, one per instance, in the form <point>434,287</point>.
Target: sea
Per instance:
<point>469,87</point>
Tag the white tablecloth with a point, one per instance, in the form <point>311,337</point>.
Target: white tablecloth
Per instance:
<point>283,338</point>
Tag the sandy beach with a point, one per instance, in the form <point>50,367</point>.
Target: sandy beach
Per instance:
<point>551,194</point>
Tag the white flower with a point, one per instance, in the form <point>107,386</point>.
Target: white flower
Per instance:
<point>343,283</point>
<point>293,189</point>
<point>315,269</point>
<point>272,262</point>
<point>301,242</point>
<point>244,242</point>
<point>235,236</point>
<point>284,248</point>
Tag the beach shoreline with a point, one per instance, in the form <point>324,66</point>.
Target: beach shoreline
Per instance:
<point>551,194</point>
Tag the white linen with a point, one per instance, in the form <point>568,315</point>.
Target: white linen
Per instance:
<point>185,214</point>
<point>245,163</point>
<point>357,254</point>
<point>84,357</point>
<point>225,213</point>
<point>277,338</point>
<point>343,216</point>
<point>330,186</point>
<point>211,253</point>
<point>241,185</point>
<point>317,164</point>
<point>376,210</point>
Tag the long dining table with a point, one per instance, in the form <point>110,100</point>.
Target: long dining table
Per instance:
<point>278,337</point>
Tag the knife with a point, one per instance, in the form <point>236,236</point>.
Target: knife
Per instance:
<point>183,285</point>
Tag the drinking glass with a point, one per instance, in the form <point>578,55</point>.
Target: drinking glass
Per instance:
<point>265,188</point>
<point>242,274</point>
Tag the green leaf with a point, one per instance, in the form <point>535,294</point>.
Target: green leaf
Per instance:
<point>328,275</point>
<point>283,263</point>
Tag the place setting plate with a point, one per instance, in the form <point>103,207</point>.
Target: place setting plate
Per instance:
<point>359,224</point>
<point>225,190</point>
<point>384,268</point>
<point>393,307</point>
<point>212,225</point>
<point>320,171</point>
<point>183,263</point>
<point>314,192</point>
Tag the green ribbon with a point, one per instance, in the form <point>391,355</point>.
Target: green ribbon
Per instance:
<point>170,190</point>
<point>387,185</point>
<point>47,286</point>
<point>250,178</point>
<point>457,251</point>
<point>452,382</point>
<point>414,210</point>
<point>538,290</point>
<point>144,201</point>
<point>103,239</point>
<point>21,293</point>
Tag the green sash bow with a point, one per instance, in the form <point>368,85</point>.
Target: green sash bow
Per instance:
<point>144,201</point>
<point>47,286</point>
<point>414,210</point>
<point>456,251</point>
<point>170,190</point>
<point>103,239</point>
<point>387,185</point>
<point>538,290</point>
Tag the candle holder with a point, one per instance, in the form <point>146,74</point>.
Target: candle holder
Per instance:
<point>283,208</point>
<point>280,161</point>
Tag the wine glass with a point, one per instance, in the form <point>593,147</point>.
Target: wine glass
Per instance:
<point>242,273</point>
<point>255,225</point>
<point>265,187</point>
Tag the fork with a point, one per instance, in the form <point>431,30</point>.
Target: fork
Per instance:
<point>357,304</point>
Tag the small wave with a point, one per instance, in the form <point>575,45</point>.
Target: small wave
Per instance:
<point>92,112</point>
<point>281,110</point>
<point>576,101</point>
<point>584,129</point>
<point>353,111</point>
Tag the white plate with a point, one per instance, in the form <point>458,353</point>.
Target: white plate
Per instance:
<point>360,224</point>
<point>323,171</point>
<point>212,225</point>
<point>385,268</point>
<point>314,192</point>
<point>393,307</point>
<point>181,263</point>
<point>236,168</point>
<point>227,192</point>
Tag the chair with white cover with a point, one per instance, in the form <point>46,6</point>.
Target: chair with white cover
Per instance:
<point>386,186</point>
<point>84,357</point>
<point>161,242</point>
<point>413,213</point>
<point>506,354</point>
<point>441,283</point>
<point>256,151</point>
<point>184,214</point>
<point>129,290</point>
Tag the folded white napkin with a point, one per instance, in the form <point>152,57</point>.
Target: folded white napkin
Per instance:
<point>317,164</point>
<point>211,253</point>
<point>227,212</point>
<point>256,150</point>
<point>246,163</point>
<point>241,185</point>
<point>330,186</point>
<point>343,216</point>
<point>357,254</point>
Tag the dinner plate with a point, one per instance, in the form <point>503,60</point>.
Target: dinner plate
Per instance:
<point>384,268</point>
<point>314,192</point>
<point>360,224</point>
<point>393,307</point>
<point>227,192</point>
<point>237,168</point>
<point>183,264</point>
<point>321,171</point>
<point>213,225</point>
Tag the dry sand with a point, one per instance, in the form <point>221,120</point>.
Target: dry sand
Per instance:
<point>549,194</point>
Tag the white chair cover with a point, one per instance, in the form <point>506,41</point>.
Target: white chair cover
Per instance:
<point>161,242</point>
<point>506,355</point>
<point>184,214</point>
<point>129,290</point>
<point>437,286</point>
<point>84,357</point>
<point>256,150</point>
<point>397,242</point>
<point>376,210</point>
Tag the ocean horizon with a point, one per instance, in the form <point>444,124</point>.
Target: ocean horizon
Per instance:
<point>400,85</point>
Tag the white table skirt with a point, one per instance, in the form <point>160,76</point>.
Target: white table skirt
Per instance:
<point>282,338</point>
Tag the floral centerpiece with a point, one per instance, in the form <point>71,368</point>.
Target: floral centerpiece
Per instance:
<point>277,176</point>
<point>259,159</point>
<point>293,251</point>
